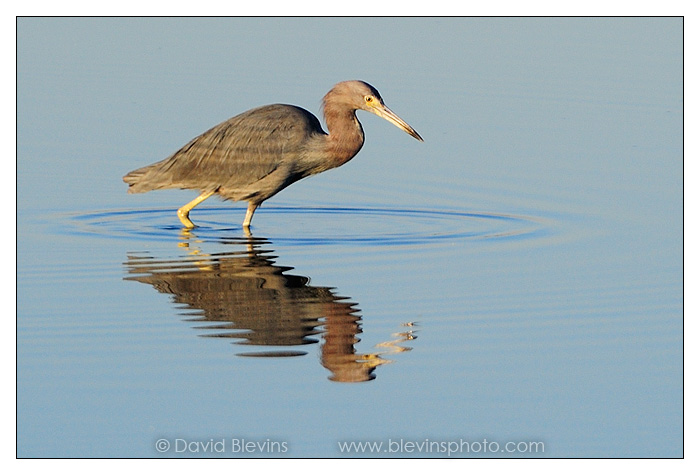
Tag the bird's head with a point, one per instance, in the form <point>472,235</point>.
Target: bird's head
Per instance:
<point>358,95</point>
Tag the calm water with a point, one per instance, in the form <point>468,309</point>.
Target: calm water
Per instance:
<point>517,278</point>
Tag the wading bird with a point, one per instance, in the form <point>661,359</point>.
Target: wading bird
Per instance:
<point>253,156</point>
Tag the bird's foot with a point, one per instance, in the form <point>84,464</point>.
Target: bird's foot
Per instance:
<point>185,219</point>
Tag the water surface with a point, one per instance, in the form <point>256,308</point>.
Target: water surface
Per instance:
<point>515,278</point>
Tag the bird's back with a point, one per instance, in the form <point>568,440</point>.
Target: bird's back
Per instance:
<point>236,154</point>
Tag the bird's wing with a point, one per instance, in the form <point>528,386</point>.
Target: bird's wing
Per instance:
<point>236,153</point>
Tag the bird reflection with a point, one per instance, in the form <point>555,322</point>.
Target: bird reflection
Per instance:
<point>243,295</point>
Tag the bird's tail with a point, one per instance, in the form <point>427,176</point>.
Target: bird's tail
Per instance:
<point>135,181</point>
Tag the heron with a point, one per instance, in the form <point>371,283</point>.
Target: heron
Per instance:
<point>254,155</point>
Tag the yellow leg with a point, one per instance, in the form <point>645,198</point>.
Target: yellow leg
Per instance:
<point>249,214</point>
<point>184,212</point>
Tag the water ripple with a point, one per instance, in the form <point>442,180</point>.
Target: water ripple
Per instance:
<point>319,225</point>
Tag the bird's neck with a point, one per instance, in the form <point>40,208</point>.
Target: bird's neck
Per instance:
<point>345,134</point>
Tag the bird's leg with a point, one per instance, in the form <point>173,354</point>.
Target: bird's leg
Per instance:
<point>184,212</point>
<point>249,214</point>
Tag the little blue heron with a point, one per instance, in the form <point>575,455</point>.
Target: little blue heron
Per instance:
<point>253,156</point>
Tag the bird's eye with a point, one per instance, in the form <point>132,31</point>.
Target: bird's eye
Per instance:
<point>368,99</point>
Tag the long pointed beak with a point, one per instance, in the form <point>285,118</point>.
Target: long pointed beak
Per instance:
<point>385,113</point>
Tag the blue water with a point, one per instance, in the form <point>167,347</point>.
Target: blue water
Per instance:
<point>517,278</point>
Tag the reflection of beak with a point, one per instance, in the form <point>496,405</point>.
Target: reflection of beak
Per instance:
<point>385,113</point>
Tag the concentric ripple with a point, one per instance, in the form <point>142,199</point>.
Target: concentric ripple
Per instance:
<point>317,225</point>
